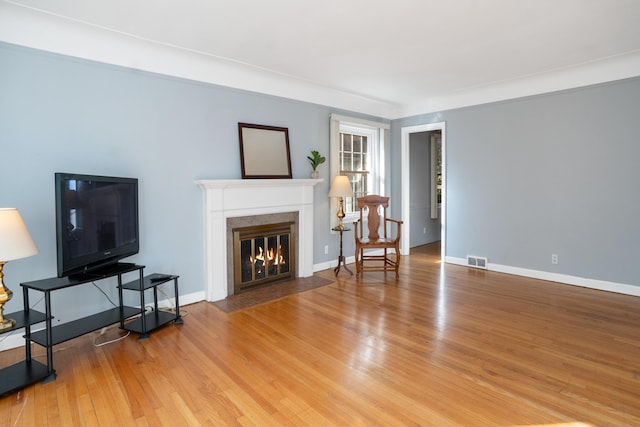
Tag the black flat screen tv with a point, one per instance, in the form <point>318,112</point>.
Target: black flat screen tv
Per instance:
<point>96,222</point>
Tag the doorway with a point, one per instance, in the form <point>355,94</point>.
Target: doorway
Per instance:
<point>406,133</point>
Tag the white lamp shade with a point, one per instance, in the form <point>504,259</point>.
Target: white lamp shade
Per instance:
<point>15,240</point>
<point>341,187</point>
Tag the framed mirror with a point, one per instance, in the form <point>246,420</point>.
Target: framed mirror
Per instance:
<point>264,151</point>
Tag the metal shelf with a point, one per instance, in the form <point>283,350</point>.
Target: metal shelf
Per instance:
<point>147,322</point>
<point>30,371</point>
<point>76,328</point>
<point>153,320</point>
<point>21,374</point>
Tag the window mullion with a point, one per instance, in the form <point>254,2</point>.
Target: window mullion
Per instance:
<point>357,158</point>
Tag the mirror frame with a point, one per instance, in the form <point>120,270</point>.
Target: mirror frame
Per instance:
<point>264,151</point>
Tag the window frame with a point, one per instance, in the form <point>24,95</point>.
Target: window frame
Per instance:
<point>373,153</point>
<point>377,134</point>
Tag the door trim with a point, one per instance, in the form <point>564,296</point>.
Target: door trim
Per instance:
<point>406,183</point>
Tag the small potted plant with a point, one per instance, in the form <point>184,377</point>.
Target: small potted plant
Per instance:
<point>315,159</point>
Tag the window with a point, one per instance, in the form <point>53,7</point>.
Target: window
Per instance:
<point>357,151</point>
<point>355,162</point>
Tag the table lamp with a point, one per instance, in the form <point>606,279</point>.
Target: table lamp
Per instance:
<point>341,187</point>
<point>15,243</point>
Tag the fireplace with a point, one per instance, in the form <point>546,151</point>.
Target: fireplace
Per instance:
<point>274,234</point>
<point>233,204</point>
<point>263,254</point>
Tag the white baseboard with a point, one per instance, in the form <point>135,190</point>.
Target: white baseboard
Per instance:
<point>566,279</point>
<point>332,264</point>
<point>184,300</point>
<point>12,339</point>
<point>324,266</point>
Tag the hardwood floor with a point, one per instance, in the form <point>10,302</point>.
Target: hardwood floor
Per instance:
<point>443,345</point>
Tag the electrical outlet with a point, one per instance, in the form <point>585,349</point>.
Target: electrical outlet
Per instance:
<point>424,230</point>
<point>326,249</point>
<point>554,258</point>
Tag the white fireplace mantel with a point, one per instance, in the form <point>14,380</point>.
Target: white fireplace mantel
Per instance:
<point>247,197</point>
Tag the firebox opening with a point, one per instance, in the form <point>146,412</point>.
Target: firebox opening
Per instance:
<point>263,254</point>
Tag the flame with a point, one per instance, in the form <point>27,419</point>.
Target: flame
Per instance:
<point>267,258</point>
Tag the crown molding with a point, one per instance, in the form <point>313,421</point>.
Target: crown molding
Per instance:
<point>36,29</point>
<point>43,31</point>
<point>607,70</point>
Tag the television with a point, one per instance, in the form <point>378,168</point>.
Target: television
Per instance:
<point>96,222</point>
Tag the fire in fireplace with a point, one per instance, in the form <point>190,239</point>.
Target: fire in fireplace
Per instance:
<point>263,254</point>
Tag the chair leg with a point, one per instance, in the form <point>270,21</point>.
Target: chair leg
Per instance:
<point>388,263</point>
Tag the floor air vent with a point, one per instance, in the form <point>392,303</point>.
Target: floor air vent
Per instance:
<point>477,261</point>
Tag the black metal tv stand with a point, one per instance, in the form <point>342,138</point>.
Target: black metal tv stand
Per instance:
<point>150,321</point>
<point>31,371</point>
<point>27,371</point>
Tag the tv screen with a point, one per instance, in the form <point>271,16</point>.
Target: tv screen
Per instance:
<point>96,221</point>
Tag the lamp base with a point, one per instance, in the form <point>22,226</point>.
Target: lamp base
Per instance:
<point>5,296</point>
<point>7,324</point>
<point>341,215</point>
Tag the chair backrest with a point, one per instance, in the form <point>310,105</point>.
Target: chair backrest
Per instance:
<point>372,203</point>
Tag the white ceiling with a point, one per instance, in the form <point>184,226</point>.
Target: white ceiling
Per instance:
<point>390,58</point>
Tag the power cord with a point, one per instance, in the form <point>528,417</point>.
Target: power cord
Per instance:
<point>104,330</point>
<point>24,404</point>
<point>104,293</point>
<point>97,344</point>
<point>172,308</point>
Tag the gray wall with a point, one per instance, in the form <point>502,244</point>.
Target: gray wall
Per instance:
<point>423,229</point>
<point>60,114</point>
<point>526,178</point>
<point>548,174</point>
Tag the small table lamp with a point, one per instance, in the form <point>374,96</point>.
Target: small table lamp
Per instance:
<point>15,243</point>
<point>341,187</point>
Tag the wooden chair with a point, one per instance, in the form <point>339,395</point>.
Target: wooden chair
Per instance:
<point>373,240</point>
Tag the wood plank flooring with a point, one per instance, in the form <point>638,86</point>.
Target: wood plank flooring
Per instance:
<point>443,345</point>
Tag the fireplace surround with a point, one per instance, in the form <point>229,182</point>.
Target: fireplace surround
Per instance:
<point>261,249</point>
<point>227,202</point>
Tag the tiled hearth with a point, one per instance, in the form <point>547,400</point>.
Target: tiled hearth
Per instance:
<point>251,198</point>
